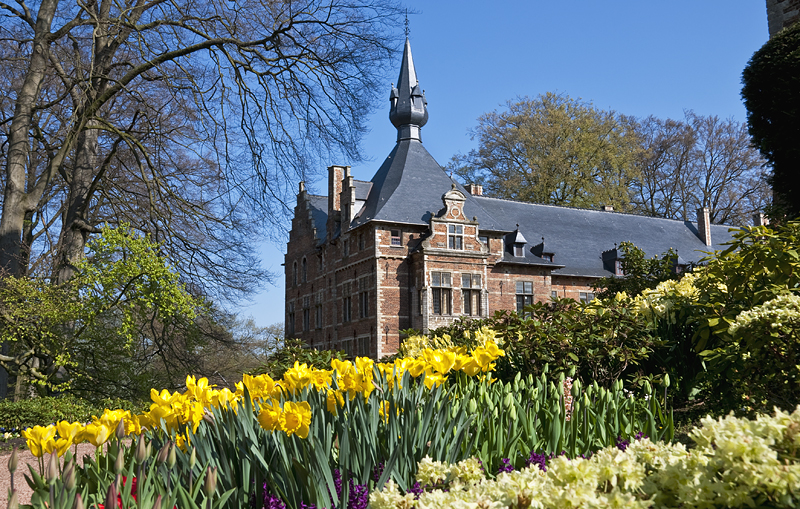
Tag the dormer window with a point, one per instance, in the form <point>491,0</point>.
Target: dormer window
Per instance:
<point>518,244</point>
<point>455,236</point>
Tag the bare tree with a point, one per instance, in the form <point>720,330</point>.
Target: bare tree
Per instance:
<point>263,86</point>
<point>191,120</point>
<point>699,162</point>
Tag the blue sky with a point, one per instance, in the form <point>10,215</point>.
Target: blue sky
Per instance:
<point>635,57</point>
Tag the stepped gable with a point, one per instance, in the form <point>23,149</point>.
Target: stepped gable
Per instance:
<point>578,237</point>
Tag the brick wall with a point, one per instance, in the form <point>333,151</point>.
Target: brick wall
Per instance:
<point>782,14</point>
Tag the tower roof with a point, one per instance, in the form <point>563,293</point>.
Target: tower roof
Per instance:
<point>408,186</point>
<point>409,109</point>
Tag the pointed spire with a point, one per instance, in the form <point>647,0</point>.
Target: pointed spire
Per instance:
<point>409,110</point>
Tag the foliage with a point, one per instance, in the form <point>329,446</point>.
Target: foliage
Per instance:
<point>553,149</point>
<point>598,343</point>
<point>307,436</point>
<point>755,365</point>
<point>640,273</point>
<point>97,331</point>
<point>294,350</point>
<point>771,93</point>
<point>735,463</point>
<point>49,409</point>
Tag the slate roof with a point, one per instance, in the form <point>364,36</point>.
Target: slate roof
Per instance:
<point>319,212</point>
<point>578,237</point>
<point>409,186</point>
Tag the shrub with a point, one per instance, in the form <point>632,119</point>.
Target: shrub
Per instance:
<point>50,409</point>
<point>294,350</point>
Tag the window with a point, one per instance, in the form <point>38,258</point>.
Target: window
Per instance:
<point>345,247</point>
<point>455,236</point>
<point>362,243</point>
<point>347,304</point>
<point>346,309</point>
<point>553,294</point>
<point>618,268</point>
<point>586,297</point>
<point>318,310</point>
<point>304,272</point>
<point>548,257</point>
<point>363,296</point>
<point>306,313</point>
<point>524,296</point>
<point>484,239</point>
<point>396,238</point>
<point>518,251</point>
<point>440,281</point>
<point>290,324</point>
<point>294,274</point>
<point>471,294</point>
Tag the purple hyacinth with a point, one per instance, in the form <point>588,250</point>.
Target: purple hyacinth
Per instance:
<point>378,471</point>
<point>539,460</point>
<point>359,496</point>
<point>505,466</point>
<point>417,490</point>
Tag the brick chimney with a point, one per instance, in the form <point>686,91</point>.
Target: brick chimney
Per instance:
<point>348,199</point>
<point>475,189</point>
<point>335,176</point>
<point>704,225</point>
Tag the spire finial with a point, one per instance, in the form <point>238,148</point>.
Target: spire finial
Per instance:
<point>406,23</point>
<point>408,111</point>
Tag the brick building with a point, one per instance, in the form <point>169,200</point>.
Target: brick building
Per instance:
<point>413,248</point>
<point>782,14</point>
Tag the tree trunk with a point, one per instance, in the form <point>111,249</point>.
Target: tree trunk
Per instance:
<point>75,230</point>
<point>15,200</point>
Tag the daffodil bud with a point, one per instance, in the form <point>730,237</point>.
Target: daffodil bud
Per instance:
<point>473,406</point>
<point>120,431</point>
<point>193,458</point>
<point>210,485</point>
<point>13,461</point>
<point>171,456</point>
<point>666,380</point>
<point>119,462</point>
<point>78,502</point>
<point>141,450</point>
<point>149,449</point>
<point>507,400</point>
<point>647,388</point>
<point>512,413</point>
<point>13,502</point>
<point>576,387</point>
<point>52,468</point>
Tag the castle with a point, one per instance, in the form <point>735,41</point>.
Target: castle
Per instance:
<point>412,248</point>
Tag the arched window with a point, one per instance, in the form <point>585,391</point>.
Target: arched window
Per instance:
<point>305,271</point>
<point>294,274</point>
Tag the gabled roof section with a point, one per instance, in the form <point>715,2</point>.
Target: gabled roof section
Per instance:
<point>319,213</point>
<point>578,237</point>
<point>408,188</point>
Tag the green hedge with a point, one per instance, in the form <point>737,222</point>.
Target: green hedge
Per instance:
<point>51,409</point>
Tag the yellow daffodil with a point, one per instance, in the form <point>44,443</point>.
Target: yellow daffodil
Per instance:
<point>296,418</point>
<point>270,415</point>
